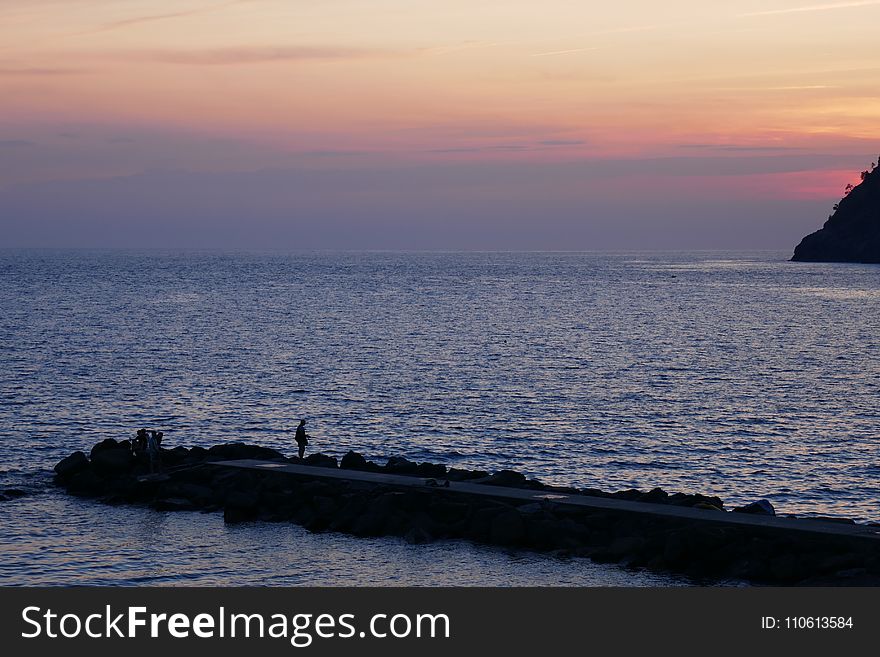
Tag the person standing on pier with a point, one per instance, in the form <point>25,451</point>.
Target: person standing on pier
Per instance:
<point>301,438</point>
<point>153,450</point>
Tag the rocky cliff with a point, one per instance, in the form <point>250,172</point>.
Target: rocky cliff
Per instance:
<point>852,232</point>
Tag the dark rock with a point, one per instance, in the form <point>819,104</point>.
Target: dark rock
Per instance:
<point>532,507</point>
<point>592,492</point>
<point>698,547</point>
<point>417,536</point>
<point>195,493</point>
<point>761,508</point>
<point>675,550</point>
<point>11,494</point>
<point>174,457</point>
<point>240,506</point>
<point>370,523</point>
<point>852,232</point>
<point>455,474</point>
<point>447,512</point>
<point>506,478</point>
<point>785,568</point>
<point>480,522</point>
<point>433,470</point>
<point>320,461</point>
<point>351,508</point>
<point>112,461</point>
<point>507,528</point>
<point>682,499</point>
<point>353,461</point>
<point>325,506</point>
<point>85,482</point>
<point>422,521</point>
<point>655,495</point>
<point>545,531</point>
<point>242,499</point>
<point>631,495</point>
<point>240,451</point>
<point>625,547</point>
<point>72,464</point>
<point>105,444</point>
<point>174,504</point>
<point>401,465</point>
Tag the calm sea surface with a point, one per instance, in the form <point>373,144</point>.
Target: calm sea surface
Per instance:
<point>733,374</point>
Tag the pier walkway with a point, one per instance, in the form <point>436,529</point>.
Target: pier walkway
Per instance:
<point>783,524</point>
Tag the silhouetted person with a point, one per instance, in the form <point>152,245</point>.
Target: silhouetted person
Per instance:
<point>140,442</point>
<point>159,437</point>
<point>301,438</point>
<point>153,451</point>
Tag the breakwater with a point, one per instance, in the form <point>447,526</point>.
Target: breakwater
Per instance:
<point>686,533</point>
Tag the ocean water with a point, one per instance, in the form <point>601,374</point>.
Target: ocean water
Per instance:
<point>740,375</point>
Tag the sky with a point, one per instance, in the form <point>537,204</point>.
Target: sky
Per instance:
<point>444,124</point>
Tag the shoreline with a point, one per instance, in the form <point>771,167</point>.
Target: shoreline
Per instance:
<point>674,533</point>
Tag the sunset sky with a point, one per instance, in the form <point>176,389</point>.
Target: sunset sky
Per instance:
<point>559,124</point>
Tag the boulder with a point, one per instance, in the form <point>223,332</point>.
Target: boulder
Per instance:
<point>507,528</point>
<point>675,550</point>
<point>655,495</point>
<point>591,492</point>
<point>176,456</point>
<point>682,499</point>
<point>761,508</point>
<point>433,470</point>
<point>543,530</point>
<point>240,451</point>
<point>198,453</point>
<point>353,461</point>
<point>320,461</point>
<point>174,504</point>
<point>506,478</point>
<point>631,495</point>
<point>11,494</point>
<point>240,506</point>
<point>412,500</point>
<point>625,547</point>
<point>401,465</point>
<point>72,464</point>
<point>195,493</point>
<point>112,461</point>
<point>370,523</point>
<point>107,443</point>
<point>456,474</point>
<point>448,512</point>
<point>85,482</point>
<point>417,536</point>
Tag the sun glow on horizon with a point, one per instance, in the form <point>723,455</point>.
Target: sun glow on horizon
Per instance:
<point>788,89</point>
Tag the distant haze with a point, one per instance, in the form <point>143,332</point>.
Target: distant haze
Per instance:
<point>504,124</point>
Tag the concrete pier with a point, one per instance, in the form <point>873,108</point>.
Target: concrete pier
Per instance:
<point>687,533</point>
<point>782,524</point>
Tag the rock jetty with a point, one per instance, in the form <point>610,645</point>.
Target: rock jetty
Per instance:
<point>699,544</point>
<point>852,232</point>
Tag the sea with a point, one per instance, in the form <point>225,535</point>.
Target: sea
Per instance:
<point>736,374</point>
